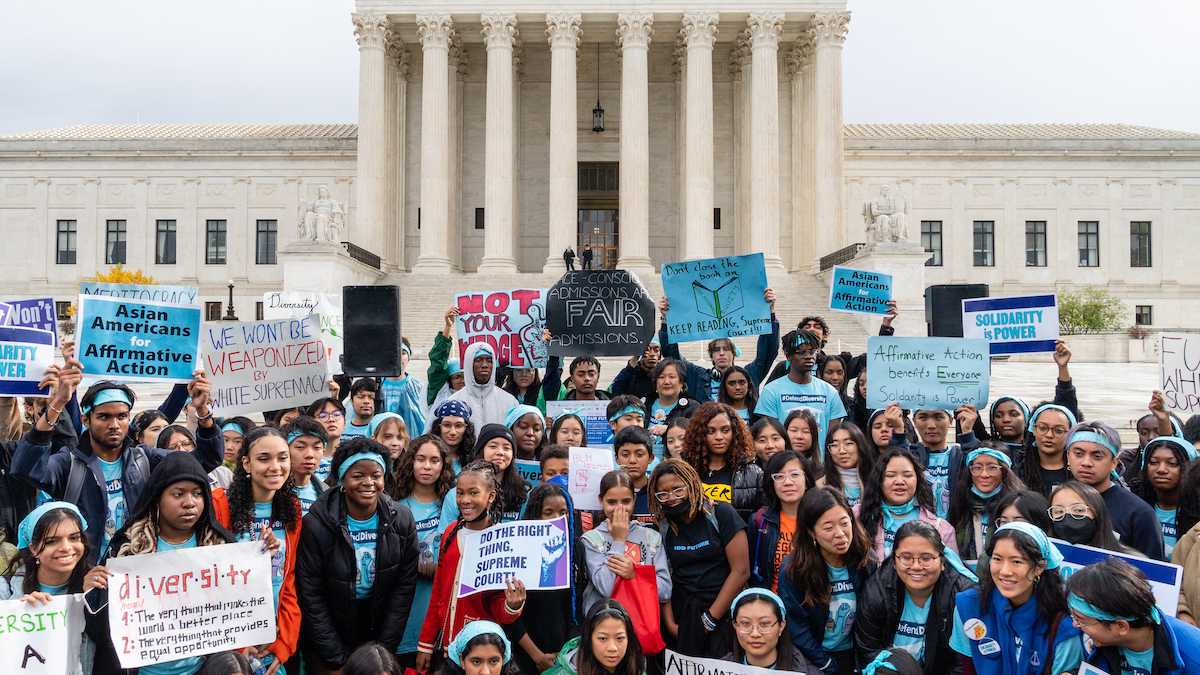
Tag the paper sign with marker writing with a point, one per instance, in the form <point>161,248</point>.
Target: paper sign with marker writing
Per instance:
<point>715,298</point>
<point>137,340</point>
<point>864,291</point>
<point>1021,324</point>
<point>599,312</point>
<point>190,602</point>
<point>678,664</point>
<point>510,321</point>
<point>534,551</point>
<point>264,365</point>
<point>43,638</point>
<point>294,304</point>
<point>927,373</point>
<point>179,295</point>
<point>25,354</point>
<point>36,313</point>
<point>587,466</point>
<point>593,413</point>
<point>1164,578</point>
<point>1179,371</point>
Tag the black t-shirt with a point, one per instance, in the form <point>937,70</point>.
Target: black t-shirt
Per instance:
<point>1052,478</point>
<point>697,551</point>
<point>641,507</point>
<point>718,485</point>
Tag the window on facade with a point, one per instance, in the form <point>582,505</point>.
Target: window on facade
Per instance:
<point>479,220</point>
<point>215,248</point>
<point>1143,315</point>
<point>985,243</point>
<point>1035,243</point>
<point>717,218</point>
<point>62,309</point>
<point>931,239</point>
<point>265,244</point>
<point>1139,244</point>
<point>1089,243</point>
<point>212,311</point>
<point>67,233</point>
<point>258,311</point>
<point>164,243</point>
<point>599,177</point>
<point>114,249</point>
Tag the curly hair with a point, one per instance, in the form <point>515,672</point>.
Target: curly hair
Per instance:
<point>871,508</point>
<point>1030,469</point>
<point>1142,486</point>
<point>406,478</point>
<point>285,505</point>
<point>697,499</point>
<point>695,439</point>
<point>486,471</point>
<point>354,446</point>
<point>465,451</point>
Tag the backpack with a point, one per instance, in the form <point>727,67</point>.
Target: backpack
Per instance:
<point>80,471</point>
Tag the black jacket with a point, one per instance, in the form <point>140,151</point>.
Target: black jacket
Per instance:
<point>748,494</point>
<point>880,603</point>
<point>632,380</point>
<point>326,569</point>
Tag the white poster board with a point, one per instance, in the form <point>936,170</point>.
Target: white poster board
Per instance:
<point>288,304</point>
<point>264,365</point>
<point>1179,372</point>
<point>41,639</point>
<point>533,551</point>
<point>587,466</point>
<point>678,664</point>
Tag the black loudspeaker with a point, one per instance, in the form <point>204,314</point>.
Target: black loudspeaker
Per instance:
<point>943,307</point>
<point>371,320</point>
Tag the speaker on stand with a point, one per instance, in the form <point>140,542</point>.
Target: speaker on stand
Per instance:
<point>943,307</point>
<point>371,321</point>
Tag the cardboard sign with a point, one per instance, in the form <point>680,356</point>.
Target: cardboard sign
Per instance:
<point>287,305</point>
<point>137,341</point>
<point>1179,371</point>
<point>190,602</point>
<point>715,298</point>
<point>1165,578</point>
<point>510,321</point>
<point>535,551</point>
<point>25,354</point>
<point>42,639</point>
<point>264,365</point>
<point>599,312</point>
<point>593,413</point>
<point>1020,324</point>
<point>36,313</point>
<point>678,664</point>
<point>863,291</point>
<point>927,373</point>
<point>178,295</point>
<point>587,466</point>
<point>530,470</point>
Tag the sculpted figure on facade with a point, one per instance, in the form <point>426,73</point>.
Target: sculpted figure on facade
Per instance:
<point>322,219</point>
<point>886,218</point>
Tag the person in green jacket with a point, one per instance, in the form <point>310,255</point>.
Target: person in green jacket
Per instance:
<point>608,646</point>
<point>445,376</point>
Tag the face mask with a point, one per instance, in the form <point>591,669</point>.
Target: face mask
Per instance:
<point>1076,531</point>
<point>677,511</point>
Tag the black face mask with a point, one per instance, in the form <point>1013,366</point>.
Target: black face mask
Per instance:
<point>1076,531</point>
<point>677,511</point>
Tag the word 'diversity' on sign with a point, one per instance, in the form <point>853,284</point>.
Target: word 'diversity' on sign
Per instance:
<point>927,373</point>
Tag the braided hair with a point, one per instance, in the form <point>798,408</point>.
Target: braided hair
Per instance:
<point>487,472</point>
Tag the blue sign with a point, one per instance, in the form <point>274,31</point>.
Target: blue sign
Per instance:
<point>25,354</point>
<point>716,298</point>
<point>594,415</point>
<point>137,341</point>
<point>1165,578</point>
<point>864,291</point>
<point>925,373</point>
<point>1014,325</point>
<point>36,313</point>
<point>180,295</point>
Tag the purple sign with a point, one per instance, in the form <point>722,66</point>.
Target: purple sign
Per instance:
<point>36,313</point>
<point>533,551</point>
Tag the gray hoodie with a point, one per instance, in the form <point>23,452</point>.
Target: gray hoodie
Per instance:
<point>598,546</point>
<point>489,403</point>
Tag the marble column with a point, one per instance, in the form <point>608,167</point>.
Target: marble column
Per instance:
<point>828,31</point>
<point>742,68</point>
<point>499,31</point>
<point>369,228</point>
<point>795,63</point>
<point>397,74</point>
<point>434,31</point>
<point>633,36</point>
<point>457,69</point>
<point>765,29</point>
<point>700,32</point>
<point>810,259</point>
<point>679,70</point>
<point>564,35</point>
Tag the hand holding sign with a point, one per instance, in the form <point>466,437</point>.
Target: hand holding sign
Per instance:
<point>514,594</point>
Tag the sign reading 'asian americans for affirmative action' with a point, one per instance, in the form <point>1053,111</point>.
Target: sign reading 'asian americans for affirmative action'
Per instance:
<point>137,341</point>
<point>927,373</point>
<point>863,291</point>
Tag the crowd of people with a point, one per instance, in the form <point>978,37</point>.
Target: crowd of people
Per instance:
<point>758,513</point>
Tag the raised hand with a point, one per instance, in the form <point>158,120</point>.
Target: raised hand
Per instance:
<point>514,594</point>
<point>893,311</point>
<point>618,525</point>
<point>967,415</point>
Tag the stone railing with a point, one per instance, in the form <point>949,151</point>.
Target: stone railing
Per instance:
<point>841,256</point>
<point>362,255</point>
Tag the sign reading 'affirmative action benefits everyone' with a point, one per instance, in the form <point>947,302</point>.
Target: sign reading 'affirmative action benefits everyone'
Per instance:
<point>264,365</point>
<point>927,373</point>
<point>715,298</point>
<point>599,312</point>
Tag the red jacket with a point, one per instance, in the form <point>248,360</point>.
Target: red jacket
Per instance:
<point>287,618</point>
<point>448,613</point>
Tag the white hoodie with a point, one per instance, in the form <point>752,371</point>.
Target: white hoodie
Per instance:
<point>489,403</point>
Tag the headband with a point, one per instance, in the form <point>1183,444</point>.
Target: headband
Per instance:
<point>454,368</point>
<point>377,420</point>
<point>881,661</point>
<point>484,347</point>
<point>1085,608</point>
<point>470,632</point>
<point>404,348</point>
<point>358,457</point>
<point>573,413</point>
<point>1053,406</point>
<point>654,341</point>
<point>1189,450</point>
<point>517,412</point>
<point>234,427</point>
<point>108,396</point>
<point>453,408</point>
<point>25,530</point>
<point>626,410</point>
<point>1020,404</point>
<point>990,452</point>
<point>1050,552</point>
<point>760,591</point>
<point>1089,436</point>
<point>297,433</point>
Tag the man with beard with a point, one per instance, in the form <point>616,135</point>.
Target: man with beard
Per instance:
<point>634,378</point>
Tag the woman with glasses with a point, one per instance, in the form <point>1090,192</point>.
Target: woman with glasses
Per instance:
<point>988,478</point>
<point>1022,506</point>
<point>894,494</point>
<point>1043,462</point>
<point>773,528</point>
<point>452,422</point>
<point>763,638</point>
<point>710,561</point>
<point>1078,515</point>
<point>1165,461</point>
<point>848,460</point>
<point>176,438</point>
<point>332,415</point>
<point>908,604</point>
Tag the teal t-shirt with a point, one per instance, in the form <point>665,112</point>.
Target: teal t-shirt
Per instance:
<point>782,396</point>
<point>363,533</point>
<point>353,430</point>
<point>1170,536</point>
<point>53,590</point>
<point>429,537</point>
<point>892,524</point>
<point>938,475</point>
<point>116,501</point>
<point>658,414</point>
<point>744,413</point>
<point>910,634</point>
<point>1137,663</point>
<point>184,666</point>
<point>852,495</point>
<point>262,516</point>
<point>323,468</point>
<point>307,495</point>
<point>842,606</point>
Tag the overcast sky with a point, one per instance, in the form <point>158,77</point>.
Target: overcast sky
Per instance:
<point>255,61</point>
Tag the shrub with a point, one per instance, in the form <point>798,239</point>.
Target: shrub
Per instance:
<point>1092,311</point>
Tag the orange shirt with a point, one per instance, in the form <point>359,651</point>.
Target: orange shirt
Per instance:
<point>787,531</point>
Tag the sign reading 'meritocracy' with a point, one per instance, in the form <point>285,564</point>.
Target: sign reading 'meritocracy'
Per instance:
<point>715,298</point>
<point>180,295</point>
<point>137,341</point>
<point>927,373</point>
<point>599,312</point>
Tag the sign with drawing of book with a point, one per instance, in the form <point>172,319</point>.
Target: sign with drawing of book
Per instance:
<point>715,298</point>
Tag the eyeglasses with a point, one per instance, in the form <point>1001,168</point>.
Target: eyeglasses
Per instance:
<point>746,627</point>
<point>907,561</point>
<point>1079,620</point>
<point>1001,520</point>
<point>678,493</point>
<point>329,415</point>
<point>181,445</point>
<point>1057,432</point>
<point>1076,511</point>
<point>794,475</point>
<point>989,470</point>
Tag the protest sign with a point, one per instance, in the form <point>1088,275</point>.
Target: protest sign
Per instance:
<point>288,304</point>
<point>715,298</point>
<point>137,341</point>
<point>25,354</point>
<point>34,313</point>
<point>1178,363</point>
<point>510,321</point>
<point>1086,668</point>
<point>530,470</point>
<point>264,365</point>
<point>1164,578</point>
<point>5,313</point>
<point>599,312</point>
<point>863,291</point>
<point>678,664</point>
<point>593,413</point>
<point>1019,324</point>
<point>178,295</point>
<point>533,551</point>
<point>42,638</point>
<point>190,602</point>
<point>587,466</point>
<point>927,373</point>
